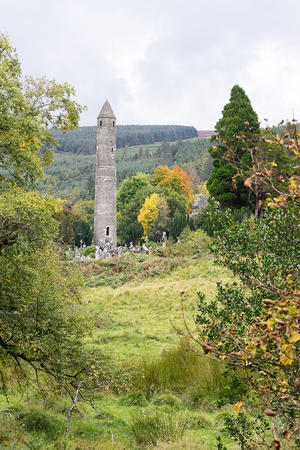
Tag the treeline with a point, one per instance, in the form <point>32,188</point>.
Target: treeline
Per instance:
<point>73,176</point>
<point>192,155</point>
<point>83,140</point>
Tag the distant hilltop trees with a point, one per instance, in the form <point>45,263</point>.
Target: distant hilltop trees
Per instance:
<point>83,140</point>
<point>205,134</point>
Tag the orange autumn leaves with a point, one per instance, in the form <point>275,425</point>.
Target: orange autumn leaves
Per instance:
<point>176,179</point>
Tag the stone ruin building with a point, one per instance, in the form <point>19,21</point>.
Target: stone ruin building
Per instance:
<point>200,202</point>
<point>105,222</point>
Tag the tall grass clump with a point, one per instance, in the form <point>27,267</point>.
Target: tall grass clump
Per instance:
<point>179,370</point>
<point>148,427</point>
<point>37,420</point>
<point>9,429</point>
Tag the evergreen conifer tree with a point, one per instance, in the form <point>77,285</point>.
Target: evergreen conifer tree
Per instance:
<point>238,119</point>
<point>177,224</point>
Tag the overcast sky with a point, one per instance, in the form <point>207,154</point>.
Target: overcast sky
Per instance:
<point>163,61</point>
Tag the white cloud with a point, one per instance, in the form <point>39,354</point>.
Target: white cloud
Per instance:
<point>170,61</point>
<point>273,80</point>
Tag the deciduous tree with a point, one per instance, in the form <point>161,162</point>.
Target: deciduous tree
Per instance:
<point>176,179</point>
<point>149,212</point>
<point>29,111</point>
<point>41,327</point>
<point>39,294</point>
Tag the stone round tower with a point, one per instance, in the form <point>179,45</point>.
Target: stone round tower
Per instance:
<point>105,229</point>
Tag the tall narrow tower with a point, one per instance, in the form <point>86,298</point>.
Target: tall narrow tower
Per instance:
<point>105,229</point>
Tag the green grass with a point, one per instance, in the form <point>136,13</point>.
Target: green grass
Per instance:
<point>171,389</point>
<point>115,272</point>
<point>148,427</point>
<point>180,371</point>
<point>134,319</point>
<point>109,425</point>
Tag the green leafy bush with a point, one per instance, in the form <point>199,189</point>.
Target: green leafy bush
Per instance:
<point>252,323</point>
<point>89,251</point>
<point>191,243</point>
<point>204,222</point>
<point>248,432</point>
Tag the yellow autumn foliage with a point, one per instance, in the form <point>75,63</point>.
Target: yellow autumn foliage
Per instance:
<point>149,212</point>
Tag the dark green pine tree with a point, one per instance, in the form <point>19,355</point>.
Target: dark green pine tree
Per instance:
<point>177,224</point>
<point>82,232</point>
<point>238,119</point>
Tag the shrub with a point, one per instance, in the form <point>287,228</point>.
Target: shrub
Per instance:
<point>89,251</point>
<point>242,214</point>
<point>191,243</point>
<point>253,323</point>
<point>150,426</point>
<point>249,432</point>
<point>203,220</point>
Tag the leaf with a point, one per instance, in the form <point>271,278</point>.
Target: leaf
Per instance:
<point>238,407</point>
<point>274,164</point>
<point>270,323</point>
<point>295,337</point>
<point>248,182</point>
<point>286,356</point>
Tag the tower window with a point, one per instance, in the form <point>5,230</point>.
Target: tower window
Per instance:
<point>113,123</point>
<point>100,123</point>
<point>107,231</point>
<point>112,149</point>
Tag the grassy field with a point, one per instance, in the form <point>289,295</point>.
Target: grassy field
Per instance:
<point>135,317</point>
<point>162,396</point>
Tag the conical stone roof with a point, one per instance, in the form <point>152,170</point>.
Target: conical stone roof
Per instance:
<point>106,111</point>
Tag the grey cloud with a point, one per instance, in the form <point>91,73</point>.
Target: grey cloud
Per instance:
<point>162,62</point>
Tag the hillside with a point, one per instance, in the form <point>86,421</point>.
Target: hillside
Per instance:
<point>72,176</point>
<point>131,325</point>
<point>83,140</point>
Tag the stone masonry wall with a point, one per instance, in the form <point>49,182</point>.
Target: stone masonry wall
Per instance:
<point>105,182</point>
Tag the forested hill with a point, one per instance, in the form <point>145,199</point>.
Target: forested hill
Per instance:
<point>83,140</point>
<point>72,176</point>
